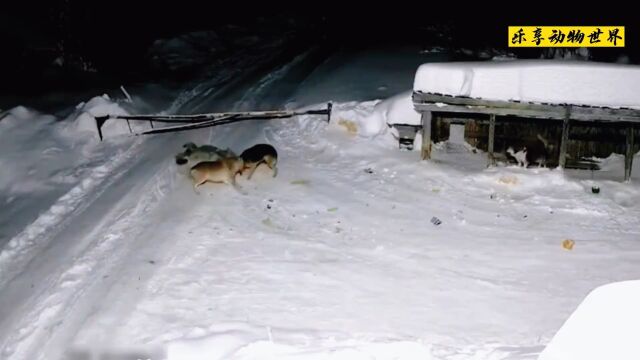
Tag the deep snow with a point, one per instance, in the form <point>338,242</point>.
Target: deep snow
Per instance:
<point>336,257</point>
<point>547,81</point>
<point>605,326</point>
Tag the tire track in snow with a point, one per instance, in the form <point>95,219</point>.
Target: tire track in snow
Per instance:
<point>47,326</point>
<point>23,247</point>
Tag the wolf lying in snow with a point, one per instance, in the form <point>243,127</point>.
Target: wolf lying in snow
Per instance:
<point>194,154</point>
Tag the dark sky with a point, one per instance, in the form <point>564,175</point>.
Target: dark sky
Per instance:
<point>115,35</point>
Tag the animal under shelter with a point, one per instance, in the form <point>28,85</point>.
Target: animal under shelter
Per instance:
<point>515,100</point>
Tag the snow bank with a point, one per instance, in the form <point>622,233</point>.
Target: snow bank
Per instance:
<point>372,118</point>
<point>570,82</point>
<point>359,118</point>
<point>82,120</point>
<point>21,116</point>
<point>605,326</point>
<point>399,109</point>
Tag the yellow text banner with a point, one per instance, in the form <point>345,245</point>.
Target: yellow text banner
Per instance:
<point>566,36</point>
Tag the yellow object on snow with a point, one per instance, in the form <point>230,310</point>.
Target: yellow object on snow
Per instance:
<point>568,244</point>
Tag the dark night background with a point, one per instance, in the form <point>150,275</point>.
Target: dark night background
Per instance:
<point>107,43</point>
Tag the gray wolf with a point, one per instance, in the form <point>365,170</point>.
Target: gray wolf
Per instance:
<point>194,154</point>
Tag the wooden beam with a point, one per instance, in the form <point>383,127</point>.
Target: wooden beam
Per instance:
<point>562,160</point>
<point>628,156</point>
<point>426,135</point>
<point>492,133</point>
<point>525,113</point>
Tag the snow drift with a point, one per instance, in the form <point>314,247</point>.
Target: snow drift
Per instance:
<point>370,119</point>
<point>605,326</point>
<point>82,121</point>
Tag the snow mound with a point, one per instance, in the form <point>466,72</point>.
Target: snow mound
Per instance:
<point>399,109</point>
<point>21,116</point>
<point>358,118</point>
<point>605,326</point>
<point>372,118</point>
<point>570,82</point>
<point>530,181</point>
<point>82,120</point>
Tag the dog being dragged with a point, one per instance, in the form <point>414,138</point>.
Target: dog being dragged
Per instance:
<point>258,154</point>
<point>219,171</point>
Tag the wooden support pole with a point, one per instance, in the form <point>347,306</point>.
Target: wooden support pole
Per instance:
<point>426,135</point>
<point>492,133</point>
<point>628,156</point>
<point>562,160</point>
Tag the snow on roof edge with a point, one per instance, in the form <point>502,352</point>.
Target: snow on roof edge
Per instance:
<point>577,83</point>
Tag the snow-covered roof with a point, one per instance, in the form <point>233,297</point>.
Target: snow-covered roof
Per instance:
<point>540,81</point>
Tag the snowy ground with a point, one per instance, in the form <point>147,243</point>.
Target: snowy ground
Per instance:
<point>337,257</point>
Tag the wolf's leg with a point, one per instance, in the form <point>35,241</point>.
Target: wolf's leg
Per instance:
<point>271,163</point>
<point>232,181</point>
<point>253,169</point>
<point>196,184</point>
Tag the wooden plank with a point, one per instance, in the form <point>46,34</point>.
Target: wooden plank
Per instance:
<point>443,103</point>
<point>628,156</point>
<point>492,133</point>
<point>426,135</point>
<point>195,118</point>
<point>530,113</point>
<point>562,160</point>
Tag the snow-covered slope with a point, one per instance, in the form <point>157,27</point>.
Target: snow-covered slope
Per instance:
<point>551,81</point>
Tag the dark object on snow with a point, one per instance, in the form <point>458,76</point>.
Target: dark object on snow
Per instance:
<point>199,121</point>
<point>435,221</point>
<point>595,189</point>
<point>368,170</point>
<point>406,135</point>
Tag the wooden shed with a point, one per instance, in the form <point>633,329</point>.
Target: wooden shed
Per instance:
<point>581,125</point>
